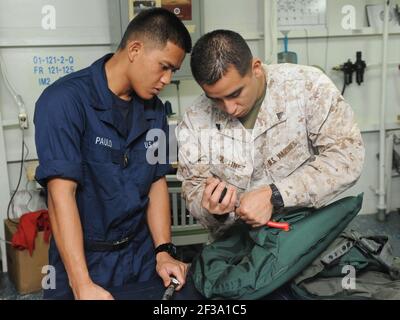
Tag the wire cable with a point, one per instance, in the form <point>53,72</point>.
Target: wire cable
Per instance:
<point>19,179</point>
<point>27,180</point>
<point>4,240</point>
<point>29,193</point>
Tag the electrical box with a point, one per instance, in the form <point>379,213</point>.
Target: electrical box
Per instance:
<point>121,12</point>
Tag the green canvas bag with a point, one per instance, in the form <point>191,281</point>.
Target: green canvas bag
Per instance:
<point>247,263</point>
<point>353,267</point>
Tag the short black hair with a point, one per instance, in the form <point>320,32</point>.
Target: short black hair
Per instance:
<point>160,26</point>
<point>215,52</point>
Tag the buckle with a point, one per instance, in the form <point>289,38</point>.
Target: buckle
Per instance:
<point>118,242</point>
<point>107,246</point>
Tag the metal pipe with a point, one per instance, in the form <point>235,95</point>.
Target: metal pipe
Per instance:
<point>270,32</point>
<point>388,170</point>
<point>381,215</point>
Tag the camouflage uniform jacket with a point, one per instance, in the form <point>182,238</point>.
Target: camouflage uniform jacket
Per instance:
<point>305,140</point>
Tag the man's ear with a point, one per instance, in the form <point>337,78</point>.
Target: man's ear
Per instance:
<point>257,67</point>
<point>134,48</point>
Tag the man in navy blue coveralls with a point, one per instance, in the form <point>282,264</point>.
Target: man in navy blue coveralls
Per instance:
<point>108,206</point>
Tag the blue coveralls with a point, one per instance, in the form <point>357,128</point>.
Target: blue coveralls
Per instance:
<point>77,138</point>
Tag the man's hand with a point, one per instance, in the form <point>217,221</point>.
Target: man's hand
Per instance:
<point>168,266</point>
<point>255,207</point>
<point>212,193</point>
<point>91,291</point>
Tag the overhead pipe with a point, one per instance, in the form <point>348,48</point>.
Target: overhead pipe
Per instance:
<point>270,32</point>
<point>381,215</point>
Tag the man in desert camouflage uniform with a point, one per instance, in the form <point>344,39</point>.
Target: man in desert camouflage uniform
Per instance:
<point>276,136</point>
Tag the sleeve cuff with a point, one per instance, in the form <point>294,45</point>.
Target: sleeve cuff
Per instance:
<point>162,170</point>
<point>58,168</point>
<point>293,194</point>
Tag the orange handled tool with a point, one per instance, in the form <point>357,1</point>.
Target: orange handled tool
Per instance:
<point>272,224</point>
<point>279,225</point>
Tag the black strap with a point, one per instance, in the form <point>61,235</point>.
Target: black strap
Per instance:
<point>108,246</point>
<point>104,246</point>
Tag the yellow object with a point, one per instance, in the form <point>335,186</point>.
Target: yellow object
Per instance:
<point>31,169</point>
<point>191,28</point>
<point>174,165</point>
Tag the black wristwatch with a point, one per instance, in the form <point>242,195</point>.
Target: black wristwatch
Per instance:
<point>276,198</point>
<point>167,247</point>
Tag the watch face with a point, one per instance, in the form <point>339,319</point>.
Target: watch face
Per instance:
<point>172,249</point>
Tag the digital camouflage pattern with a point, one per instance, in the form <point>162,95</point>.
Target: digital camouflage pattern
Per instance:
<point>305,140</point>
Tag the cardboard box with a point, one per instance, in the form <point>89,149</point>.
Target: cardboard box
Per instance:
<point>24,270</point>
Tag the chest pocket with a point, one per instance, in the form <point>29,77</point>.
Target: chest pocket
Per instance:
<point>236,174</point>
<point>286,161</point>
<point>100,174</point>
<point>231,161</point>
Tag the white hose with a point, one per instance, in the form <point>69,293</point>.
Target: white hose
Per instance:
<point>18,99</point>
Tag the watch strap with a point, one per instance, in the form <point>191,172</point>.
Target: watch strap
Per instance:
<point>276,197</point>
<point>168,247</point>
